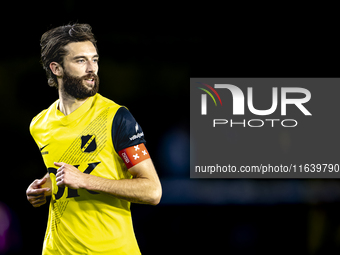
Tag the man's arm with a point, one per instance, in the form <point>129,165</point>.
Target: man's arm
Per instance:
<point>38,190</point>
<point>144,187</point>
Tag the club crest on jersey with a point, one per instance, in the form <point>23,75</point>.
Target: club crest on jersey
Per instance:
<point>88,143</point>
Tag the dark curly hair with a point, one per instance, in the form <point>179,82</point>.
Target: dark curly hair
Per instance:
<point>53,42</point>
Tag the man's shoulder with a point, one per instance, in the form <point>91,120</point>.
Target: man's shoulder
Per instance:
<point>40,116</point>
<point>103,103</point>
<point>104,100</point>
<point>101,100</point>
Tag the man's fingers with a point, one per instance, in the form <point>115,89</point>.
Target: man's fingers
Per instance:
<point>42,181</point>
<point>37,183</point>
<point>36,192</point>
<point>38,202</point>
<point>60,182</point>
<point>42,196</point>
<point>59,173</point>
<point>60,164</point>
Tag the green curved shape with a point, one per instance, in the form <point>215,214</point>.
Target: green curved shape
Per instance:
<point>209,95</point>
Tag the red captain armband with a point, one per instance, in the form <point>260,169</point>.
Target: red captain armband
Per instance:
<point>134,155</point>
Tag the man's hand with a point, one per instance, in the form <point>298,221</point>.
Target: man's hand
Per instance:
<point>36,195</point>
<point>69,176</point>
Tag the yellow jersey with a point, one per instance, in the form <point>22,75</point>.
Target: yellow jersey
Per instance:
<point>83,221</point>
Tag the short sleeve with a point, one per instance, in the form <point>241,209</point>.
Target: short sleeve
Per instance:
<point>126,132</point>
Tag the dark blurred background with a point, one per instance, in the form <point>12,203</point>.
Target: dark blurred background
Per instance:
<point>147,54</point>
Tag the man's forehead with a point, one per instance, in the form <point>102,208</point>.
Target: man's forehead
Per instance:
<point>81,48</point>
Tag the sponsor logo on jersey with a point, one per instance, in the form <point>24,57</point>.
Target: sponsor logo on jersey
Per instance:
<point>43,152</point>
<point>138,135</point>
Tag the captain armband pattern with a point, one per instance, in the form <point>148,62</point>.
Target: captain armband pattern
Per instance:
<point>134,155</point>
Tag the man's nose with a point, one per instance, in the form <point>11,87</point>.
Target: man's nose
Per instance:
<point>91,67</point>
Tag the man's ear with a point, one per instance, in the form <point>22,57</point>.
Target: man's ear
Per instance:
<point>56,69</point>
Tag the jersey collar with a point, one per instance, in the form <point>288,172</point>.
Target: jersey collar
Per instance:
<point>65,120</point>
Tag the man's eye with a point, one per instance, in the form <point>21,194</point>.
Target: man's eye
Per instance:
<point>80,61</point>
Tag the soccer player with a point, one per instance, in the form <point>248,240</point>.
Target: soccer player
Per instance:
<point>94,152</point>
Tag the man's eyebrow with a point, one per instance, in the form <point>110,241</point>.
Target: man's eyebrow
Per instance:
<point>77,57</point>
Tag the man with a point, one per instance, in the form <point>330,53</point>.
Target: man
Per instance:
<point>94,153</point>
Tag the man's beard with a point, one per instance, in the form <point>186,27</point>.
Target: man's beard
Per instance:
<point>74,85</point>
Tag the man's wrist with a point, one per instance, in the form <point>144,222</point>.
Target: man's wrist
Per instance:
<point>86,182</point>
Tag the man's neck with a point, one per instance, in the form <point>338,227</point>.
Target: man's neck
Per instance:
<point>68,104</point>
